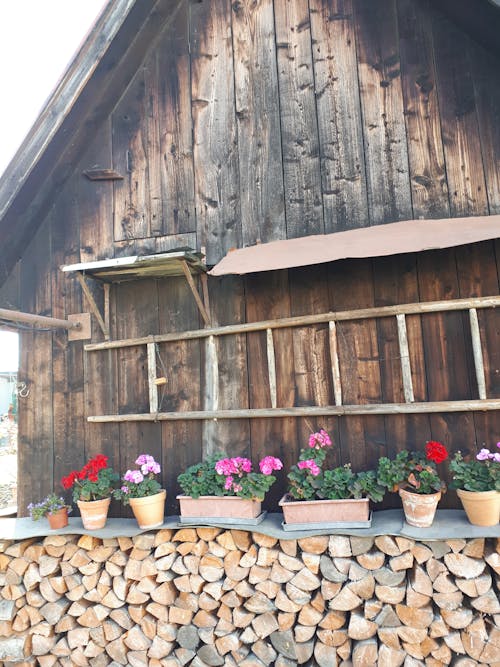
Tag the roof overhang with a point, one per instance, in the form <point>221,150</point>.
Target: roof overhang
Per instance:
<point>382,240</point>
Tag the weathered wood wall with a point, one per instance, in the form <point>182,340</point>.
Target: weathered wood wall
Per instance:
<point>255,121</point>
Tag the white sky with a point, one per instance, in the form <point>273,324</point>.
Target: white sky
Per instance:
<point>37,41</point>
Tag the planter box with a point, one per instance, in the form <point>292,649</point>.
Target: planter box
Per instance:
<point>220,509</point>
<point>304,514</point>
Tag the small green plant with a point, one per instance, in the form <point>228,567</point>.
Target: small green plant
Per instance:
<point>415,471</point>
<point>481,473</point>
<point>49,505</point>
<point>217,476</point>
<point>342,483</point>
<point>140,483</point>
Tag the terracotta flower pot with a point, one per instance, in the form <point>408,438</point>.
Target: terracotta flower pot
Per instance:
<point>94,513</point>
<point>149,511</point>
<point>419,508</point>
<point>219,507</point>
<point>482,507</point>
<point>58,519</point>
<point>350,510</point>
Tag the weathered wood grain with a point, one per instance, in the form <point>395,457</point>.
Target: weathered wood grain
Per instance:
<point>217,187</point>
<point>176,130</point>
<point>258,122</point>
<point>343,178</point>
<point>429,188</point>
<point>299,124</point>
<point>386,154</point>
<point>459,122</point>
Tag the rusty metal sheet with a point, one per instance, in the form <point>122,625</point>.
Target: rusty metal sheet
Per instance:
<point>382,240</point>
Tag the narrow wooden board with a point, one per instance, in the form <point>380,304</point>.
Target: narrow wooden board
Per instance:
<point>299,124</point>
<point>258,122</point>
<point>214,128</point>
<point>429,189</point>
<point>343,178</point>
<point>386,155</point>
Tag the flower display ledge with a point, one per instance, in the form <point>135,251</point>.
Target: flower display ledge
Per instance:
<point>448,524</point>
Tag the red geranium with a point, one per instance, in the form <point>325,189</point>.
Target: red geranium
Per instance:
<point>435,451</point>
<point>93,482</point>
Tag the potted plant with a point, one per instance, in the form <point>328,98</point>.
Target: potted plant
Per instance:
<point>414,475</point>
<point>226,488</point>
<point>327,497</point>
<point>92,487</point>
<point>143,492</point>
<point>477,482</point>
<point>54,508</point>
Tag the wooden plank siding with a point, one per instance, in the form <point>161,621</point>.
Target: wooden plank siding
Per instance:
<point>247,122</point>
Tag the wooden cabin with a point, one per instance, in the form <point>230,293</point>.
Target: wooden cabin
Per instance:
<point>186,129</point>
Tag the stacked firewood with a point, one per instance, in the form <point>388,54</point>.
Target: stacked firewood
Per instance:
<point>207,596</point>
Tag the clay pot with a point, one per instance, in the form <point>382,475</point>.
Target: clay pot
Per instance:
<point>482,507</point>
<point>58,519</point>
<point>219,507</point>
<point>350,510</point>
<point>419,508</point>
<point>94,513</point>
<point>149,511</point>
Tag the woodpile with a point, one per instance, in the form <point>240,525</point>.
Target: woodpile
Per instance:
<point>207,596</point>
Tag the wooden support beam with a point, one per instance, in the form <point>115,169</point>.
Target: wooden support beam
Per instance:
<point>153,389</point>
<point>106,287</point>
<point>37,320</point>
<point>206,298</point>
<point>211,398</point>
<point>197,298</point>
<point>92,304</point>
<point>334,357</point>
<point>271,367</point>
<point>303,320</point>
<point>404,354</point>
<point>477,352</point>
<point>310,411</point>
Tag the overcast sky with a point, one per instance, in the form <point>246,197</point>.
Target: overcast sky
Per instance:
<point>37,41</point>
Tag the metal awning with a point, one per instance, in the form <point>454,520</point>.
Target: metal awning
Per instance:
<point>382,240</point>
<point>163,265</point>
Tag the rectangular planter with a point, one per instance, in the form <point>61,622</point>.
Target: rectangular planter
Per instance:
<point>351,513</point>
<point>219,507</point>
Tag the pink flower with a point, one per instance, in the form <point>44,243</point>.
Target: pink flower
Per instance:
<point>125,489</point>
<point>134,476</point>
<point>268,464</point>
<point>496,457</point>
<point>309,465</point>
<point>229,483</point>
<point>319,440</point>
<point>237,487</point>
<point>234,466</point>
<point>483,455</point>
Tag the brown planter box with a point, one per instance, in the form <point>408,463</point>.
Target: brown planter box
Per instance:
<point>350,513</point>
<point>219,507</point>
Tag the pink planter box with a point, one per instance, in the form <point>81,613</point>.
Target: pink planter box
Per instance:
<point>325,511</point>
<point>219,507</point>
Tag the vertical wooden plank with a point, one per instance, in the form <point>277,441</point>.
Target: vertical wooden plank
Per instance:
<point>343,176</point>
<point>334,358</point>
<point>136,315</point>
<point>389,195</point>
<point>182,364</point>
<point>405,359</point>
<point>131,195</point>
<point>477,352</point>
<point>267,297</point>
<point>362,439</point>
<point>35,412</point>
<point>153,391</point>
<point>485,78</point>
<point>67,357</point>
<point>258,122</point>
<point>395,282</point>
<point>211,394</point>
<point>214,127</point>
<point>429,189</point>
<point>227,302</point>
<point>299,125</point>
<point>462,146</point>
<point>271,367</point>
<point>152,121</point>
<point>176,135</point>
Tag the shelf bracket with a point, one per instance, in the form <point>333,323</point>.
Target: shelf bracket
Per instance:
<point>93,306</point>
<point>201,306</point>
